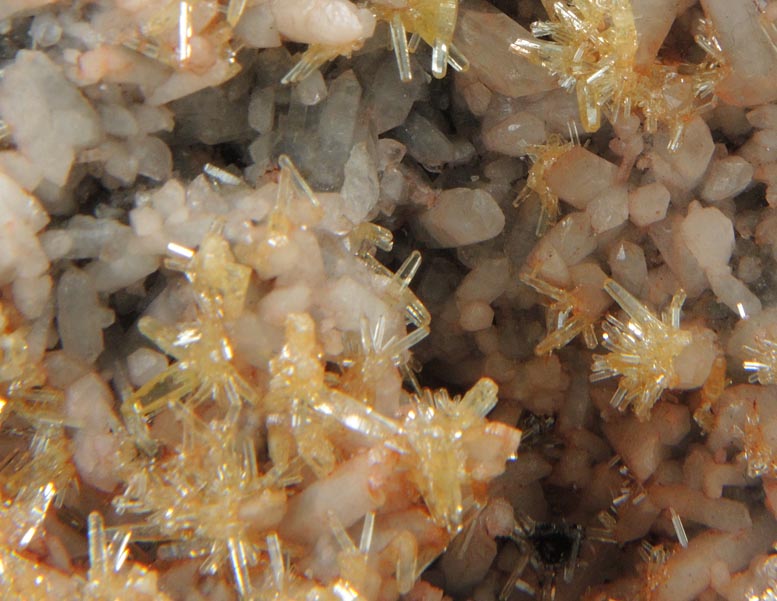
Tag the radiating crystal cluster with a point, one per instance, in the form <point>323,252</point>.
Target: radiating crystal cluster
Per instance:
<point>593,52</point>
<point>566,319</point>
<point>220,462</point>
<point>642,351</point>
<point>110,576</point>
<point>433,21</point>
<point>542,157</point>
<point>203,370</point>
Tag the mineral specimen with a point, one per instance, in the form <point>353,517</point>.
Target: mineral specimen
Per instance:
<point>290,309</point>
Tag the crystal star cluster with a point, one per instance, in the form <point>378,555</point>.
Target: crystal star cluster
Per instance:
<point>226,462</point>
<point>642,351</point>
<point>594,52</point>
<point>382,300</point>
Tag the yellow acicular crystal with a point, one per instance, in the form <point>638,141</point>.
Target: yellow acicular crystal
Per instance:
<point>202,373</point>
<point>594,51</point>
<point>306,414</point>
<point>22,380</point>
<point>282,584</point>
<point>543,156</point>
<point>297,387</point>
<point>296,208</point>
<point>204,370</point>
<point>44,468</point>
<point>373,351</point>
<point>567,317</point>
<point>642,351</point>
<point>440,435</point>
<point>207,499</point>
<point>371,361</point>
<point>316,56</point>
<point>110,577</point>
<point>398,288</point>
<point>761,361</point>
<point>216,277</point>
<point>433,21</point>
<point>356,571</point>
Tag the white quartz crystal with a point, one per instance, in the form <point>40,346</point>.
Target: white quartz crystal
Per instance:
<point>512,133</point>
<point>709,235</point>
<point>145,364</point>
<point>734,293</point>
<point>328,22</point>
<point>652,19</point>
<point>475,316</point>
<point>579,175</point>
<point>88,402</point>
<point>30,295</point>
<point>726,178</point>
<point>748,51</point>
<point>689,162</point>
<point>648,204</point>
<point>628,266</point>
<point>484,35</point>
<point>80,315</point>
<point>609,209</point>
<point>461,216</point>
<point>361,187</point>
<point>486,282</point>
<point>49,117</point>
<point>257,26</point>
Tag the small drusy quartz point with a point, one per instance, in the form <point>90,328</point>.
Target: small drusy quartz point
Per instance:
<point>642,351</point>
